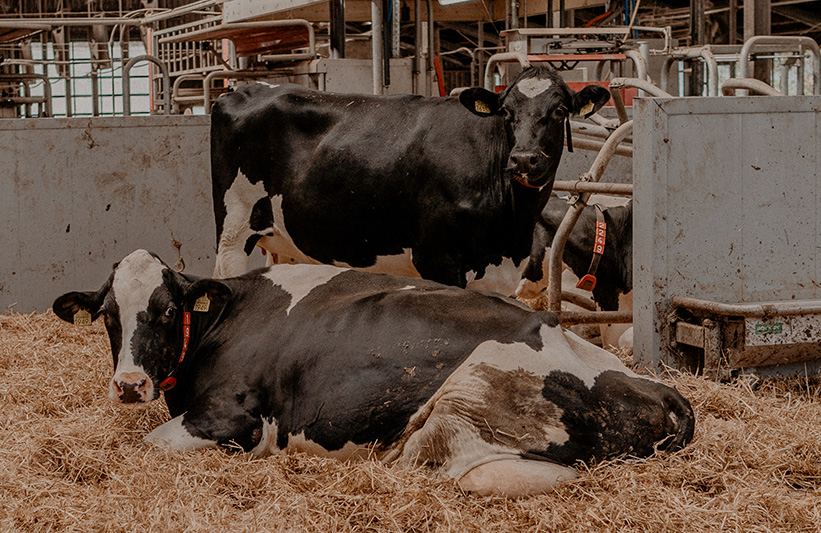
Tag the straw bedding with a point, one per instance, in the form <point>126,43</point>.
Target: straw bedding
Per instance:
<point>70,460</point>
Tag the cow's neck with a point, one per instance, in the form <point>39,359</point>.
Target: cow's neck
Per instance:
<point>526,206</point>
<point>201,328</point>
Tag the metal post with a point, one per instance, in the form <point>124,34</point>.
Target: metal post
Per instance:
<point>337,29</point>
<point>386,42</point>
<point>376,46</point>
<point>419,60</point>
<point>431,47</point>
<point>757,22</point>
<point>697,31</point>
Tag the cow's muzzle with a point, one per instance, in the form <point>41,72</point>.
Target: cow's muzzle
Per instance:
<point>131,387</point>
<point>529,167</point>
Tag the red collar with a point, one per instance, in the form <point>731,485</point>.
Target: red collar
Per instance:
<point>170,382</point>
<point>588,281</point>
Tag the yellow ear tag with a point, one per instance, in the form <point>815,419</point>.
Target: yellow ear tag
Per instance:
<point>202,304</point>
<point>586,109</point>
<point>481,107</point>
<point>82,318</point>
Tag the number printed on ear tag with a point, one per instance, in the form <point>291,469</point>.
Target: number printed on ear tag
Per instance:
<point>202,304</point>
<point>82,318</point>
<point>481,107</point>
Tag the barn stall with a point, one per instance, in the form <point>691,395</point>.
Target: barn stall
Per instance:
<point>85,192</point>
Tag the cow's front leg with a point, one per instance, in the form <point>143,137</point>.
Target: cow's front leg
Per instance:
<point>175,434</point>
<point>248,217</point>
<point>240,431</point>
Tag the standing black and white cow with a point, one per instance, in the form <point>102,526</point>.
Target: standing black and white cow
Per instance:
<point>439,188</point>
<point>344,363</point>
<point>613,271</point>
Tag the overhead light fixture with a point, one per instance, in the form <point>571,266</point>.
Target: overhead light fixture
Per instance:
<point>451,2</point>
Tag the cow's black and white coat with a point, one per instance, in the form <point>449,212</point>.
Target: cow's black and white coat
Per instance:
<point>443,188</point>
<point>334,361</point>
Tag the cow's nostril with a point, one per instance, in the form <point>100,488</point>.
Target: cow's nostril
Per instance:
<point>534,159</point>
<point>141,384</point>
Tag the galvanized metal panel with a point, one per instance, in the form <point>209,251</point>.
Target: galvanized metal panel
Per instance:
<point>77,195</point>
<point>726,206</point>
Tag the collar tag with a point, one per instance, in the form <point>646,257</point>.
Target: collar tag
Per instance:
<point>202,304</point>
<point>82,318</point>
<point>601,234</point>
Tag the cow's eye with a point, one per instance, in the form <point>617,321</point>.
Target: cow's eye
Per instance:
<point>560,112</point>
<point>171,312</point>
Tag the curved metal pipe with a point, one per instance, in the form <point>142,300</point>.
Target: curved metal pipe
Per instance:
<point>175,89</point>
<point>554,287</point>
<point>639,63</point>
<point>760,309</point>
<point>499,58</point>
<point>46,99</point>
<point>750,84</point>
<point>226,74</point>
<point>166,83</point>
<point>772,41</point>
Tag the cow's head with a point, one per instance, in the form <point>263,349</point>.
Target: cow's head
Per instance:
<point>143,303</point>
<point>535,106</point>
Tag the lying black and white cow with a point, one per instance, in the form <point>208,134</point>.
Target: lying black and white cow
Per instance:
<point>339,362</point>
<point>613,272</point>
<point>441,188</point>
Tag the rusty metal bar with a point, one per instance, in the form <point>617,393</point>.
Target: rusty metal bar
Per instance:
<point>579,300</point>
<point>595,146</point>
<point>554,287</point>
<point>595,317</point>
<point>750,84</point>
<point>759,309</point>
<point>616,189</point>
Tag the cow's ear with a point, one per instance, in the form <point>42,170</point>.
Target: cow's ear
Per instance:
<point>204,295</point>
<point>589,100</point>
<point>480,101</point>
<point>79,307</point>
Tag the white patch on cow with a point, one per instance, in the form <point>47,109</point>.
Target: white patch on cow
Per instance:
<point>408,288</point>
<point>503,278</point>
<point>349,451</point>
<point>451,412</point>
<point>271,85</point>
<point>299,280</point>
<point>175,435</point>
<point>135,279</point>
<point>236,229</point>
<point>268,443</point>
<point>532,87</point>
<point>398,264</point>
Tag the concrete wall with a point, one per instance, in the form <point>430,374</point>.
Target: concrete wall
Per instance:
<point>79,194</point>
<point>727,196</point>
